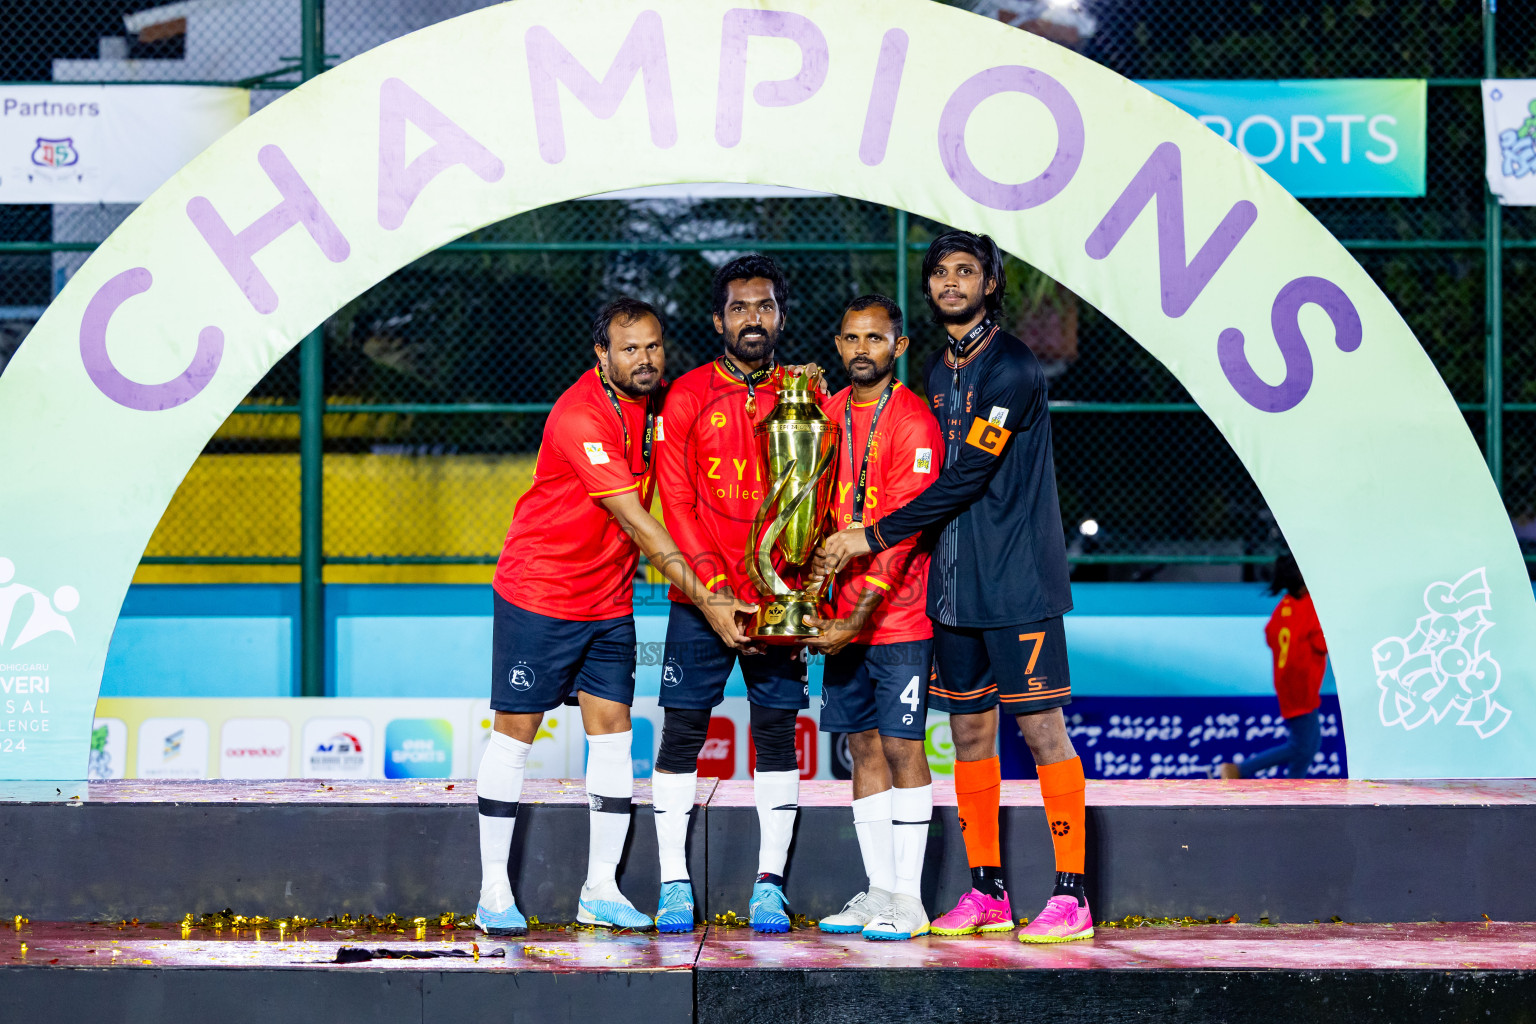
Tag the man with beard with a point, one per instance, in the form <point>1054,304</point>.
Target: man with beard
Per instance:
<point>711,480</point>
<point>997,584</point>
<point>563,628</point>
<point>880,646</point>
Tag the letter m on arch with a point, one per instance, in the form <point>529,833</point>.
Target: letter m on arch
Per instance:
<point>643,53</point>
<point>1161,181</point>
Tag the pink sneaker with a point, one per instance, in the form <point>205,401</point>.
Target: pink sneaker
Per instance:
<point>976,913</point>
<point>1062,920</point>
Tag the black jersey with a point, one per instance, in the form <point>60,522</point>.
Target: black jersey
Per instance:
<point>1000,555</point>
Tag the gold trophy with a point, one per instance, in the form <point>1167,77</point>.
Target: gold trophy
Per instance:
<point>799,447</point>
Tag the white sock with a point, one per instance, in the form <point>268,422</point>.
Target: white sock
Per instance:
<point>610,785</point>
<point>672,801</point>
<point>911,810</point>
<point>872,822</point>
<point>778,799</point>
<point>499,787</point>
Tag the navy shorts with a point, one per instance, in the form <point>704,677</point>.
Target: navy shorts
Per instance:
<point>697,663</point>
<point>878,686</point>
<point>1024,667</point>
<point>539,663</point>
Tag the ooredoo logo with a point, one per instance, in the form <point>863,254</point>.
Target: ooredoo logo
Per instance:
<point>418,748</point>
<point>717,759</point>
<point>254,748</point>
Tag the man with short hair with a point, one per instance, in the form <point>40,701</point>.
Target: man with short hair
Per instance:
<point>711,479</point>
<point>997,584</point>
<point>563,628</point>
<point>879,646</point>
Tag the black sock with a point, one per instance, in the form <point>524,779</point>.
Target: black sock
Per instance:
<point>777,880</point>
<point>989,882</point>
<point>1070,884</point>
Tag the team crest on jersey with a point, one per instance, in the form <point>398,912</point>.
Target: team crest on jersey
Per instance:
<point>521,677</point>
<point>922,462</point>
<point>595,453</point>
<point>998,416</point>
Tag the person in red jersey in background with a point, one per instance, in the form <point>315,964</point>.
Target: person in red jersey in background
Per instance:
<point>711,480</point>
<point>563,628</point>
<point>1299,655</point>
<point>879,646</point>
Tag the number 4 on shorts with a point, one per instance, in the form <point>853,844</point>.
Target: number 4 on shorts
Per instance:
<point>910,694</point>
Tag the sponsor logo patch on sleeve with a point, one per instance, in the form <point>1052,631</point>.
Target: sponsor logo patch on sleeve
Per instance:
<point>989,437</point>
<point>998,416</point>
<point>595,453</point>
<point>923,461</point>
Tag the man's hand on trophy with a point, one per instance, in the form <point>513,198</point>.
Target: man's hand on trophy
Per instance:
<point>839,549</point>
<point>810,371</point>
<point>835,633</point>
<point>729,617</point>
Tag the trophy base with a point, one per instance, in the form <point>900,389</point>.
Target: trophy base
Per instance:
<point>782,620</point>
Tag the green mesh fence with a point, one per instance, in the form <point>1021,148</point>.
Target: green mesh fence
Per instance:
<point>437,380</point>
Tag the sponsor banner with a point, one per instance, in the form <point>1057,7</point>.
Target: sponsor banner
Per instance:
<point>1318,137</point>
<point>1509,135</point>
<point>254,748</point>
<point>106,143</point>
<point>1174,737</point>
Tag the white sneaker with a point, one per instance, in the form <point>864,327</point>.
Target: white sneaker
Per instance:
<point>904,918</point>
<point>857,913</point>
<point>605,906</point>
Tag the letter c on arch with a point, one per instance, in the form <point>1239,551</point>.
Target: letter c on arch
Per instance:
<point>110,381</point>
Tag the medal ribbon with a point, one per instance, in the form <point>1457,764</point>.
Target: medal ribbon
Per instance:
<point>649,439</point>
<point>869,443</point>
<point>751,380</point>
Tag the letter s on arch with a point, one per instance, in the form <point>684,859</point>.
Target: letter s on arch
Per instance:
<point>110,381</point>
<point>1289,392</point>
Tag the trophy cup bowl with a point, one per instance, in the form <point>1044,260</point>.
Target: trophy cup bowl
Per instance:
<point>799,448</point>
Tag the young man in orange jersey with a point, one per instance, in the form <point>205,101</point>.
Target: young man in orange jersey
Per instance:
<point>880,645</point>
<point>710,478</point>
<point>563,628</point>
<point>997,584</point>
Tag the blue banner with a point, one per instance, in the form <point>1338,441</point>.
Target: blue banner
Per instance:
<point>1319,137</point>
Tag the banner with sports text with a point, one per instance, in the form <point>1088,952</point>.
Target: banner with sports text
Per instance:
<point>1282,338</point>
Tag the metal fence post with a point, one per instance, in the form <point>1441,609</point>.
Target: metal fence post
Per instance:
<point>1493,367</point>
<point>312,435</point>
<point>901,285</point>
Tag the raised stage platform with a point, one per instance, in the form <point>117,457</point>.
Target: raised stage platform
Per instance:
<point>1289,851</point>
<point>1273,858</point>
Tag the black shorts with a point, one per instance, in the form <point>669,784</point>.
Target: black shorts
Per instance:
<point>878,686</point>
<point>697,664</point>
<point>1024,667</point>
<point>539,663</point>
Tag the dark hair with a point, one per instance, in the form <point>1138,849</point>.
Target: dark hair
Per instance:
<point>987,254</point>
<point>892,310</point>
<point>1287,577</point>
<point>625,311</point>
<point>744,268</point>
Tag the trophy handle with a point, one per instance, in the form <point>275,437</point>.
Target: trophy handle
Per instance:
<point>761,565</point>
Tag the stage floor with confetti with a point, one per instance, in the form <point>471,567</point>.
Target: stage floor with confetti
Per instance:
<point>430,970</point>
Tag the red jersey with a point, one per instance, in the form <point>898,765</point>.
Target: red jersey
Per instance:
<point>1299,653</point>
<point>710,474</point>
<point>904,459</point>
<point>565,555</point>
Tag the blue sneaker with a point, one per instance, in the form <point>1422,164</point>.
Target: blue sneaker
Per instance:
<point>770,910</point>
<point>606,907</point>
<point>501,922</point>
<point>675,911</point>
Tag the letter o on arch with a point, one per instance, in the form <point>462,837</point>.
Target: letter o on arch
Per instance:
<point>1069,137</point>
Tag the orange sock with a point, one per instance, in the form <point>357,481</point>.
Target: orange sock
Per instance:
<point>1061,787</point>
<point>977,790</point>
